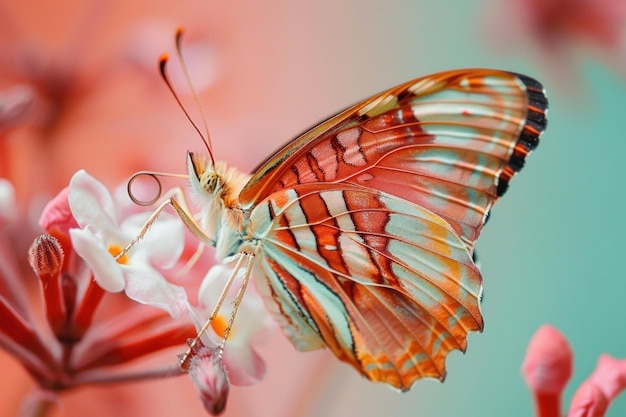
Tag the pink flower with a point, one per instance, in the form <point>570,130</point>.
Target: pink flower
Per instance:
<point>557,23</point>
<point>594,396</point>
<point>548,367</point>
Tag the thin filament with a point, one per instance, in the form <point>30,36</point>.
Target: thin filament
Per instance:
<point>207,137</point>
<point>162,64</point>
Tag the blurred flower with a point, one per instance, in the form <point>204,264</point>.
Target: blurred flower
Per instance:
<point>563,32</point>
<point>548,366</point>
<point>15,103</point>
<point>556,23</point>
<point>81,83</point>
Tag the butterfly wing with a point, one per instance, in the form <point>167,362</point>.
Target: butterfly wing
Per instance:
<point>449,142</point>
<point>366,223</point>
<point>387,285</point>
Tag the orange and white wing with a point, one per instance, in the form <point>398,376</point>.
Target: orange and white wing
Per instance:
<point>366,223</point>
<point>450,142</point>
<point>387,285</point>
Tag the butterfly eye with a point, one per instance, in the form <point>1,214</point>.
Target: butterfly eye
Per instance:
<point>208,179</point>
<point>211,181</point>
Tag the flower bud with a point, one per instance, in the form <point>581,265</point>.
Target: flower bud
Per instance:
<point>210,378</point>
<point>46,256</point>
<point>546,369</point>
<point>548,363</point>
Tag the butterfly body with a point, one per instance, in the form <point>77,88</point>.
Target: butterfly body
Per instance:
<point>363,228</point>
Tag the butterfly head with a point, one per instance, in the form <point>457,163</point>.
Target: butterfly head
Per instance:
<point>216,190</point>
<point>204,175</point>
<point>215,181</point>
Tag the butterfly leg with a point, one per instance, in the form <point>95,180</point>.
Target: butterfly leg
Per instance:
<point>195,343</point>
<point>182,213</point>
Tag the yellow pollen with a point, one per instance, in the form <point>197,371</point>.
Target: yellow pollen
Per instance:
<point>219,325</point>
<point>116,250</point>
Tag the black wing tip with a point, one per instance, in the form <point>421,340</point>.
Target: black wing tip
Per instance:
<point>528,140</point>
<point>536,120</point>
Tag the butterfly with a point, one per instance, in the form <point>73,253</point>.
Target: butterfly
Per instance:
<point>360,232</point>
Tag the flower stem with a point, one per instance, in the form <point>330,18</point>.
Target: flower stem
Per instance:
<point>87,307</point>
<point>39,403</point>
<point>42,408</point>
<point>548,405</point>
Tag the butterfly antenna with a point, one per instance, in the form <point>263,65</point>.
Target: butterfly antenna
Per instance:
<point>194,91</point>
<point>163,59</point>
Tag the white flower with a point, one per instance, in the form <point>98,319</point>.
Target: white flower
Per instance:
<point>243,363</point>
<point>102,236</point>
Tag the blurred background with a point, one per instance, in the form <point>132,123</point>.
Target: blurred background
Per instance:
<point>80,89</point>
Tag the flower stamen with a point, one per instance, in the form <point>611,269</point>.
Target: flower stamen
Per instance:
<point>121,257</point>
<point>219,325</point>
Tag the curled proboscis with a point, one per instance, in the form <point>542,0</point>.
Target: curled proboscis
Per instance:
<point>134,198</point>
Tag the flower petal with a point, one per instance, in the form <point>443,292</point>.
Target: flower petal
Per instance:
<point>245,366</point>
<point>163,244</point>
<point>91,203</point>
<point>588,401</point>
<point>145,285</point>
<point>57,214</point>
<point>610,376</point>
<point>105,269</point>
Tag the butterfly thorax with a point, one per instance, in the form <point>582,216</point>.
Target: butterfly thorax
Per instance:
<point>217,187</point>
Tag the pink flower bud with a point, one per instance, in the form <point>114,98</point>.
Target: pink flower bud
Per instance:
<point>209,376</point>
<point>610,376</point>
<point>57,214</point>
<point>588,401</point>
<point>548,363</point>
<point>46,256</point>
<point>546,369</point>
<point>607,381</point>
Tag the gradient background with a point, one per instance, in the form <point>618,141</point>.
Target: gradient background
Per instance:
<point>553,251</point>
